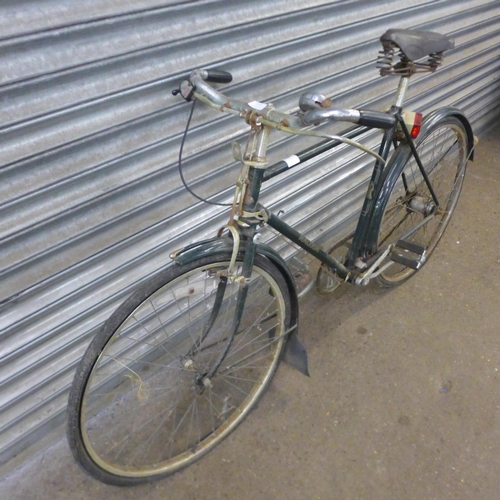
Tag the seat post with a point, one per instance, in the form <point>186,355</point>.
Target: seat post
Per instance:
<point>400,93</point>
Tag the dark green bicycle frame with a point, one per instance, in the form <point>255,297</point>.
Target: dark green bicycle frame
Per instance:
<point>365,236</point>
<point>357,247</point>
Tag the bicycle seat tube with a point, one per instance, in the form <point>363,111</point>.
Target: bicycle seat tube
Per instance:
<point>359,240</point>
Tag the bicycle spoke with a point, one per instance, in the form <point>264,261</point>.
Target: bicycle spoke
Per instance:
<point>148,404</point>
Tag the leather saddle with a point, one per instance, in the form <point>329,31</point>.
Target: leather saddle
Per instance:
<point>415,44</point>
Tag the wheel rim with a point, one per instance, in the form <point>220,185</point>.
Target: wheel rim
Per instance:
<point>443,155</point>
<point>146,410</point>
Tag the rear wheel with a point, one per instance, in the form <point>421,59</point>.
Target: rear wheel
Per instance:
<point>443,153</point>
<point>141,406</point>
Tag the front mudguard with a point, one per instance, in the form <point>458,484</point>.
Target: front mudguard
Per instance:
<point>295,354</point>
<point>398,161</point>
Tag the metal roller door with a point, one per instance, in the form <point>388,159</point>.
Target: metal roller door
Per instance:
<point>90,198</point>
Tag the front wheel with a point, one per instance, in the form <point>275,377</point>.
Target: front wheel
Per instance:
<point>141,406</point>
<point>443,152</point>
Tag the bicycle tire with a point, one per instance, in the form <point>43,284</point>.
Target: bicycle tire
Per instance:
<point>443,150</point>
<point>137,408</point>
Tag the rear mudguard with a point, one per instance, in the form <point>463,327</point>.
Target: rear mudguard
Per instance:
<point>398,161</point>
<point>439,114</point>
<point>295,354</point>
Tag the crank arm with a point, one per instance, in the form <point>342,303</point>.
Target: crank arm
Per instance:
<point>365,278</point>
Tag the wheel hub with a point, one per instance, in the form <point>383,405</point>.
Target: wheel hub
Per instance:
<point>422,205</point>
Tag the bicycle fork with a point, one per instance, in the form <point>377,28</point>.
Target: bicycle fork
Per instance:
<point>246,218</point>
<point>244,280</point>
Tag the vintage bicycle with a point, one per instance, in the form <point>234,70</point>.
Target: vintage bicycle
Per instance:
<point>183,360</point>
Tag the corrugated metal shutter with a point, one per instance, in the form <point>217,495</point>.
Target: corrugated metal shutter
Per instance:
<point>90,198</point>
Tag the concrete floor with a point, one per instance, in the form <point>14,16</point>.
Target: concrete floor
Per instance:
<point>403,401</point>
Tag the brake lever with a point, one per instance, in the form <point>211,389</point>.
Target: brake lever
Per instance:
<point>186,90</point>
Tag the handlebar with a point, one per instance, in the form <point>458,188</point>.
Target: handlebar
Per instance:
<point>375,119</point>
<point>315,107</point>
<point>196,86</point>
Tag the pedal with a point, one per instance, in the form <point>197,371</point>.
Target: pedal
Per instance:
<point>326,280</point>
<point>408,254</point>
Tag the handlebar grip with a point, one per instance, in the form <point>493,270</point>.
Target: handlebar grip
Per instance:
<point>218,76</point>
<point>376,119</point>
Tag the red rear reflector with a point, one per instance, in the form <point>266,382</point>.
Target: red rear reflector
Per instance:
<point>417,123</point>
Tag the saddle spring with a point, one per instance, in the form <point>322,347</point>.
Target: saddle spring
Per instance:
<point>387,65</point>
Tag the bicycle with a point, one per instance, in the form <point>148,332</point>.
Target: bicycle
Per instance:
<point>183,360</point>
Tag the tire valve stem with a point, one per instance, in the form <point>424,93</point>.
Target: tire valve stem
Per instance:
<point>207,383</point>
<point>189,365</point>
